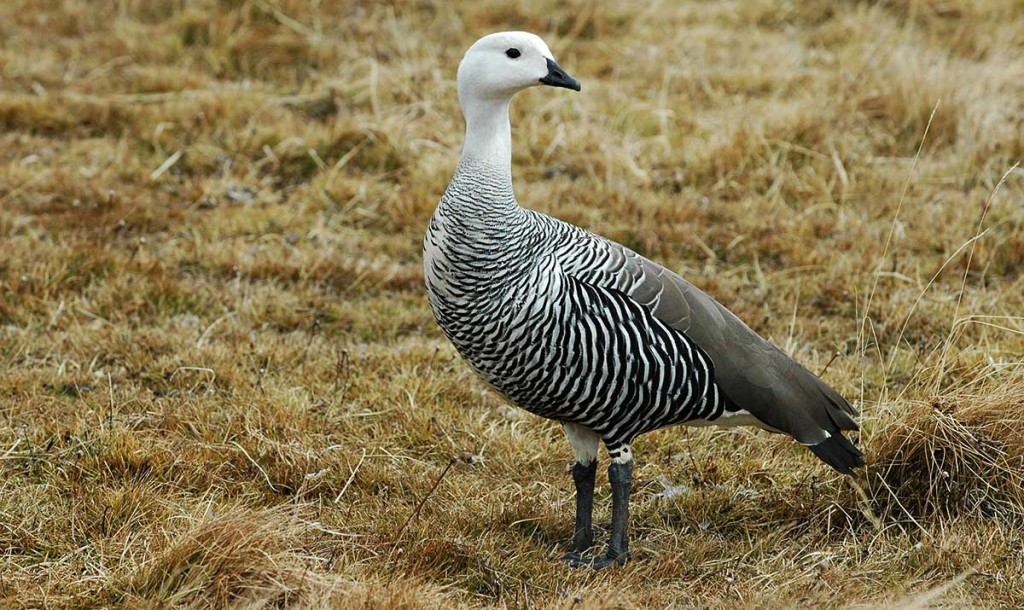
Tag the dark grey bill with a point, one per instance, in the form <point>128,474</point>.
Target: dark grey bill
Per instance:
<point>558,78</point>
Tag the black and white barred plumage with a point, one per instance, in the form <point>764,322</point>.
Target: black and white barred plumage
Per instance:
<point>546,313</point>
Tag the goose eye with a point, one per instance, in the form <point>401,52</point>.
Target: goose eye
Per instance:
<point>513,53</point>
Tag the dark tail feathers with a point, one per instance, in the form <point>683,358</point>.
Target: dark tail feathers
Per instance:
<point>839,453</point>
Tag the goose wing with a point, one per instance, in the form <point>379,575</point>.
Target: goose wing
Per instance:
<point>754,374</point>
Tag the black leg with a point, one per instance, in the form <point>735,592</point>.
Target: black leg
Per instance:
<point>583,537</point>
<point>620,475</point>
<point>583,475</point>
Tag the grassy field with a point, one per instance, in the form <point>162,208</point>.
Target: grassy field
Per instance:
<point>221,384</point>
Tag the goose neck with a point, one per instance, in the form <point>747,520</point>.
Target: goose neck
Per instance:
<point>488,134</point>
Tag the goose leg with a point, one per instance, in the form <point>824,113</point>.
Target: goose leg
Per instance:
<point>584,442</point>
<point>620,475</point>
<point>583,475</point>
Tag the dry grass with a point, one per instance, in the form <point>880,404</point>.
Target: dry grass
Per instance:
<point>220,382</point>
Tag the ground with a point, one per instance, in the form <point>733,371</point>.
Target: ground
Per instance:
<point>221,383</point>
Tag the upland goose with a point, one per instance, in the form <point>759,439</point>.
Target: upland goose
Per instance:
<point>577,328</point>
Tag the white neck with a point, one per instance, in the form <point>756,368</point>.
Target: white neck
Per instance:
<point>488,134</point>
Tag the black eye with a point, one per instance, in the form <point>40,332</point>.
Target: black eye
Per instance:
<point>513,53</point>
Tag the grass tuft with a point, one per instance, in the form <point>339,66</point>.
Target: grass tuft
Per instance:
<point>959,456</point>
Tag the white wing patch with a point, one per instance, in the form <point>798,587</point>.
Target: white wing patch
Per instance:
<point>730,419</point>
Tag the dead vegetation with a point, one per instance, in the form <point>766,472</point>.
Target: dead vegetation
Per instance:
<point>220,383</point>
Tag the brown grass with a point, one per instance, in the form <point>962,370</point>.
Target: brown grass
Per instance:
<point>220,383</point>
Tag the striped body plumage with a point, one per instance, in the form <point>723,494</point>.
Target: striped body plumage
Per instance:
<point>579,329</point>
<point>544,312</point>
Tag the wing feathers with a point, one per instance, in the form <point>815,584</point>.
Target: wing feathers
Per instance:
<point>838,452</point>
<point>752,372</point>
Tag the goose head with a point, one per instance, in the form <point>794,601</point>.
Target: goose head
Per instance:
<point>500,65</point>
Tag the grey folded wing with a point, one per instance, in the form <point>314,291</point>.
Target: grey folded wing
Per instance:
<point>754,374</point>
